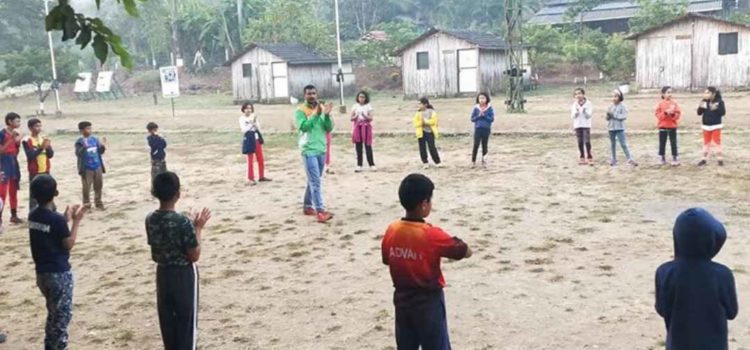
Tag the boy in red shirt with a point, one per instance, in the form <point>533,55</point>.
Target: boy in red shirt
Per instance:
<point>10,143</point>
<point>412,249</point>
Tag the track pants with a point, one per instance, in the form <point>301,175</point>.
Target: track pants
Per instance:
<point>177,302</point>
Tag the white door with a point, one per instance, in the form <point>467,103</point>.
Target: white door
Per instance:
<point>280,82</point>
<point>468,63</point>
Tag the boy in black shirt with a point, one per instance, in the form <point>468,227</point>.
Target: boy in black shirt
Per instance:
<point>175,247</point>
<point>157,144</point>
<point>51,242</point>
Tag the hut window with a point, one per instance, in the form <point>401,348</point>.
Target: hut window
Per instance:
<point>423,60</point>
<point>728,43</point>
<point>247,70</point>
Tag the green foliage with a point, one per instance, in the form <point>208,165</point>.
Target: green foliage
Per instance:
<point>619,59</point>
<point>87,30</point>
<point>32,66</point>
<point>654,13</point>
<point>20,21</point>
<point>589,46</point>
<point>545,44</point>
<point>580,7</point>
<point>740,17</point>
<point>379,53</point>
<point>291,21</point>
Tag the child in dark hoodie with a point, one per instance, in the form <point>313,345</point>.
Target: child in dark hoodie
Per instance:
<point>695,295</point>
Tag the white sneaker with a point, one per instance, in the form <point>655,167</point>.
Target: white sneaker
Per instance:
<point>358,169</point>
<point>440,165</point>
<point>426,166</point>
<point>373,168</point>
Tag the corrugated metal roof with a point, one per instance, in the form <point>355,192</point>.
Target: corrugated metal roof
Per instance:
<point>554,11</point>
<point>292,53</point>
<point>481,40</point>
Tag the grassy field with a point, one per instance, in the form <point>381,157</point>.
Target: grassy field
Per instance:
<point>564,254</point>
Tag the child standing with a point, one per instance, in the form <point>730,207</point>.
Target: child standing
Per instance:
<point>252,143</point>
<point>482,116</point>
<point>426,125</point>
<point>616,115</point>
<point>712,109</point>
<point>90,165</point>
<point>668,116</point>
<point>581,111</point>
<point>361,118</point>
<point>38,151</point>
<point>695,295</point>
<point>158,146</point>
<point>412,249</point>
<point>51,241</point>
<point>175,241</point>
<point>10,176</point>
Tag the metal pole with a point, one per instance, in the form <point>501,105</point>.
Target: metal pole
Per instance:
<point>54,68</point>
<point>172,106</point>
<point>340,73</point>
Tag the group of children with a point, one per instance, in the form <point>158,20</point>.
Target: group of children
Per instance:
<point>695,296</point>
<point>668,114</point>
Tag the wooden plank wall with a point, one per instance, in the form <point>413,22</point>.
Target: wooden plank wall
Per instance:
<point>441,79</point>
<point>258,87</point>
<point>322,76</point>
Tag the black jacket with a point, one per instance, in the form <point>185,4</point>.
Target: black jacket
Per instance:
<point>712,117</point>
<point>695,295</point>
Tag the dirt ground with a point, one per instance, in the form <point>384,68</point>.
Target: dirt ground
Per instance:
<point>564,254</point>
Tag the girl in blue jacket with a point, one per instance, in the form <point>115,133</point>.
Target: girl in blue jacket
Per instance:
<point>482,116</point>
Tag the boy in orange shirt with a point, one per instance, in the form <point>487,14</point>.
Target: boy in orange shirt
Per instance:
<point>412,249</point>
<point>668,115</point>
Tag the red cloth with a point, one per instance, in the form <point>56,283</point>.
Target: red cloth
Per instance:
<point>668,114</point>
<point>261,163</point>
<point>362,132</point>
<point>412,250</point>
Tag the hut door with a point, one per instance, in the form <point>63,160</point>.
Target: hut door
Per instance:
<point>468,63</point>
<point>264,81</point>
<point>280,82</point>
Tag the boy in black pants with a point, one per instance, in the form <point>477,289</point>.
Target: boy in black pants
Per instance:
<point>412,249</point>
<point>158,145</point>
<point>175,246</point>
<point>695,295</point>
<point>51,242</point>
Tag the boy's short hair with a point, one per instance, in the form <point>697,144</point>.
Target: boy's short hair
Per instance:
<point>33,122</point>
<point>165,186</point>
<point>43,188</point>
<point>415,189</point>
<point>83,125</point>
<point>11,117</point>
<point>151,126</point>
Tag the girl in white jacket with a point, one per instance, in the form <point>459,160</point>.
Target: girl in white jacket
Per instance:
<point>581,111</point>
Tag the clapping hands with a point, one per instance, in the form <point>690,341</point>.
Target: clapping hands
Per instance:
<point>200,218</point>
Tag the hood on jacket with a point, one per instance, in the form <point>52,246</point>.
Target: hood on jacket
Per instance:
<point>698,235</point>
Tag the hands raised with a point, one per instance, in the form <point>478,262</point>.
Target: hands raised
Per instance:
<point>75,213</point>
<point>200,218</point>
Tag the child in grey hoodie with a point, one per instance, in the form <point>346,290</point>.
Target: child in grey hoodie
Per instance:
<point>616,115</point>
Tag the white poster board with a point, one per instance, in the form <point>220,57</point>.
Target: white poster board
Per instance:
<point>104,81</point>
<point>170,83</point>
<point>83,83</point>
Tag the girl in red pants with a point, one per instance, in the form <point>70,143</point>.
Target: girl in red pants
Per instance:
<point>252,143</point>
<point>10,177</point>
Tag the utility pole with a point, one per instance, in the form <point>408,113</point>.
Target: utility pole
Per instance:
<point>240,19</point>
<point>54,86</point>
<point>340,73</point>
<point>514,41</point>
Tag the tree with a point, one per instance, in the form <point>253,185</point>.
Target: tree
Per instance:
<point>20,21</point>
<point>291,21</point>
<point>545,44</point>
<point>379,53</point>
<point>654,13</point>
<point>85,30</point>
<point>619,60</point>
<point>32,66</point>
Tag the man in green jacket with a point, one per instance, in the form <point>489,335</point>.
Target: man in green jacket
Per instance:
<point>313,122</point>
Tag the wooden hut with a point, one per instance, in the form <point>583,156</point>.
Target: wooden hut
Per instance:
<point>272,73</point>
<point>693,51</point>
<point>612,16</point>
<point>451,63</point>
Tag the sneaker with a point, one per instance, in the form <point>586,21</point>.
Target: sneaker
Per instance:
<point>330,171</point>
<point>358,169</point>
<point>675,162</point>
<point>252,182</point>
<point>612,162</point>
<point>721,163</point>
<point>484,162</point>
<point>473,165</point>
<point>324,216</point>
<point>662,161</point>
<point>632,162</point>
<point>702,163</point>
<point>426,166</point>
<point>15,220</point>
<point>265,179</point>
<point>373,168</point>
<point>309,212</point>
<point>590,161</point>
<point>100,207</point>
<point>581,161</point>
<point>439,165</point>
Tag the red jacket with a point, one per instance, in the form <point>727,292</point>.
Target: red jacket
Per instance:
<point>668,114</point>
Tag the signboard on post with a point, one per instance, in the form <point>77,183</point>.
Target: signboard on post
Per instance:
<point>104,81</point>
<point>170,83</point>
<point>83,83</point>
